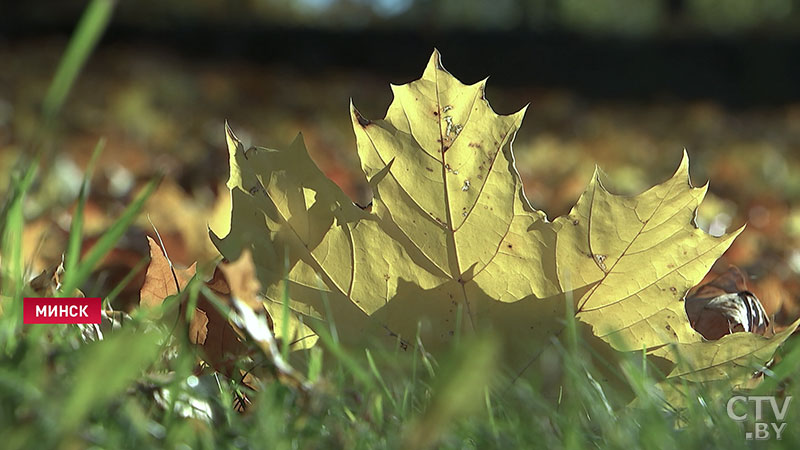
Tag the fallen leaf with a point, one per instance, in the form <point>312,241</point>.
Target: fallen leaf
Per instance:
<point>724,306</point>
<point>183,218</point>
<point>198,328</point>
<point>210,330</point>
<point>451,244</point>
<point>733,359</point>
<point>218,338</point>
<point>161,279</point>
<point>46,283</point>
<point>242,283</point>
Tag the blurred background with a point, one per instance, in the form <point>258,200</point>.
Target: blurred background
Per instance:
<point>624,84</point>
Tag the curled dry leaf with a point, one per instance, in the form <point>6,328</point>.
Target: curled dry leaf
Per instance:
<point>724,306</point>
<point>47,282</point>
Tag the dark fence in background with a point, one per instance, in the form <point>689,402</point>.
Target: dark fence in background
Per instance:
<point>740,71</point>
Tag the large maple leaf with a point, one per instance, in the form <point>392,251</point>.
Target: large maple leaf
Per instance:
<point>452,245</point>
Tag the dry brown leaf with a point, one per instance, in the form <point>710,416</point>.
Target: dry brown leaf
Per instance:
<point>218,339</point>
<point>208,329</point>
<point>47,281</point>
<point>219,283</point>
<point>241,277</point>
<point>185,218</point>
<point>198,328</point>
<point>159,281</point>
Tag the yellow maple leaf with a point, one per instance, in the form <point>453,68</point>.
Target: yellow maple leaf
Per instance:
<point>451,244</point>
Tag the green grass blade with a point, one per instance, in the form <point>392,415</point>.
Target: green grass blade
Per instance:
<point>109,300</point>
<point>374,368</point>
<point>94,21</point>
<point>490,411</point>
<point>106,242</point>
<point>314,364</point>
<point>13,225</point>
<point>76,228</point>
<point>105,370</point>
<point>459,391</point>
<point>341,354</point>
<point>12,266</point>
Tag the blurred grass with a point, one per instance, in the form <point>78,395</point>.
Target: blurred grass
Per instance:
<point>137,389</point>
<point>94,21</point>
<point>76,227</point>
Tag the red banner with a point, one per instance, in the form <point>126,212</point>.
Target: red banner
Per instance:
<point>61,310</point>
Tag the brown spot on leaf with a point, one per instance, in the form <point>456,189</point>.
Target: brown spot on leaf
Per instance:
<point>361,120</point>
